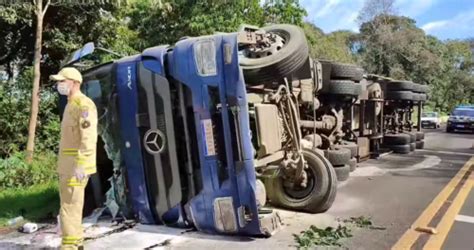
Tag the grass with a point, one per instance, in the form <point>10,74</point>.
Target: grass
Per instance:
<point>35,203</point>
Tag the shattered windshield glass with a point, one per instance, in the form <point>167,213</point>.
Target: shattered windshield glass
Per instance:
<point>102,91</point>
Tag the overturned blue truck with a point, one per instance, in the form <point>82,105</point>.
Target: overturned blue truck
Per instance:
<point>202,133</point>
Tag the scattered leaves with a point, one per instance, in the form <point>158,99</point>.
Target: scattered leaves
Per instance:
<point>363,222</point>
<point>315,236</point>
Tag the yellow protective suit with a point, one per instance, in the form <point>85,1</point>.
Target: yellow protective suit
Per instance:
<point>77,154</point>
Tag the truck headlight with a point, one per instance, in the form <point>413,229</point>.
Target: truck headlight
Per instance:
<point>205,57</point>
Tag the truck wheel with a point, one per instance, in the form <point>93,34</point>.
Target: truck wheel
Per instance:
<point>422,97</point>
<point>341,87</point>
<point>412,136</point>
<point>342,172</point>
<point>396,139</point>
<point>353,164</point>
<point>339,156</point>
<point>346,72</point>
<point>260,193</point>
<point>416,97</point>
<point>420,136</point>
<point>318,195</point>
<point>400,149</point>
<point>412,146</point>
<point>283,57</point>
<point>419,88</point>
<point>399,85</point>
<point>420,144</point>
<point>399,95</point>
<point>349,145</point>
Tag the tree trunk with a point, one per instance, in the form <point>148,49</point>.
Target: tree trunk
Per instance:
<point>36,80</point>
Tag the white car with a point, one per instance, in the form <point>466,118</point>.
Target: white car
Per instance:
<point>430,120</point>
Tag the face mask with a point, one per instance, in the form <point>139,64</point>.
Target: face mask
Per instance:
<point>63,88</point>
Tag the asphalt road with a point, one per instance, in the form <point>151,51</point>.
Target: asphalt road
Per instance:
<point>392,191</point>
<point>398,193</point>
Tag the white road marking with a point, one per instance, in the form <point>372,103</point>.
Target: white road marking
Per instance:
<point>464,218</point>
<point>428,162</point>
<point>444,152</point>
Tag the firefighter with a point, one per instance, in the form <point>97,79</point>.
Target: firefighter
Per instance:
<point>77,154</point>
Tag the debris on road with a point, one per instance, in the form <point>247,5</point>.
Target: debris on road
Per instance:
<point>29,228</point>
<point>363,222</point>
<point>315,236</point>
<point>429,230</point>
<point>15,221</point>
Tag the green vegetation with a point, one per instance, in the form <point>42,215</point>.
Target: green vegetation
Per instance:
<point>35,203</point>
<point>15,172</point>
<point>331,236</point>
<point>362,222</point>
<point>315,236</point>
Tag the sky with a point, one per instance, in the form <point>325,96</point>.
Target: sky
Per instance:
<point>445,19</point>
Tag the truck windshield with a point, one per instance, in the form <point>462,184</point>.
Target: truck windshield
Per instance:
<point>463,112</point>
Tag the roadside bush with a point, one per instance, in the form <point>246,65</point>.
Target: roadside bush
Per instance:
<point>15,172</point>
<point>15,99</point>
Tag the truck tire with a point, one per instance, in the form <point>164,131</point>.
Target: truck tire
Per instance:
<point>399,95</point>
<point>339,156</point>
<point>319,194</point>
<point>420,135</point>
<point>419,88</point>
<point>396,139</point>
<point>399,85</point>
<point>412,136</point>
<point>353,164</point>
<point>342,172</point>
<point>412,146</point>
<point>346,72</point>
<point>274,67</point>
<point>260,193</point>
<point>341,87</point>
<point>416,97</point>
<point>422,97</point>
<point>349,145</point>
<point>400,149</point>
<point>420,144</point>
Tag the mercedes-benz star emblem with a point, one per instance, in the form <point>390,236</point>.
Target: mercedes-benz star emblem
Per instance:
<point>154,141</point>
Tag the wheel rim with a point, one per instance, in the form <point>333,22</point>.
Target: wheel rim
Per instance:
<point>300,192</point>
<point>277,44</point>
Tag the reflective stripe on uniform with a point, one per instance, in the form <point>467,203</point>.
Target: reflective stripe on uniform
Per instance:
<point>75,183</point>
<point>70,149</point>
<point>71,240</point>
<point>69,153</point>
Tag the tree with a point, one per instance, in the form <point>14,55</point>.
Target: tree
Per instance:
<point>375,8</point>
<point>20,17</point>
<point>173,20</point>
<point>284,11</point>
<point>40,11</point>
<point>334,46</point>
